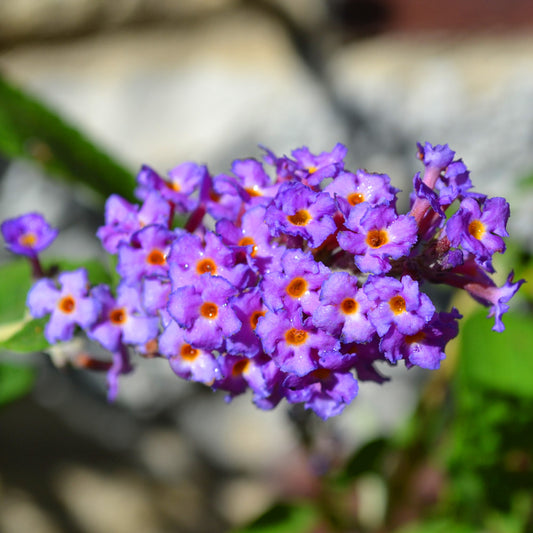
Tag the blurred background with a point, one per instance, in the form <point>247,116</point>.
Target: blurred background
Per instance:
<point>166,81</point>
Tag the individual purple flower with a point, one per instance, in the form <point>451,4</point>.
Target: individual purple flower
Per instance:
<point>122,319</point>
<point>343,309</point>
<point>186,361</point>
<point>297,283</point>
<point>293,342</point>
<point>363,357</point>
<point>190,259</point>
<point>28,234</point>
<point>426,347</point>
<point>479,231</point>
<point>253,237</point>
<point>438,156</point>
<point>146,254</point>
<point>312,169</point>
<point>455,184</point>
<point>248,307</point>
<point>240,373</point>
<point>398,303</point>
<point>327,392</point>
<point>375,235</point>
<point>352,189</point>
<point>205,312</point>
<point>122,219</point>
<point>496,297</point>
<point>255,184</point>
<point>297,210</point>
<point>69,305</point>
<point>121,365</point>
<point>184,181</point>
<point>223,198</point>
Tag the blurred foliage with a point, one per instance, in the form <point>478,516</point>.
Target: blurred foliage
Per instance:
<point>15,381</point>
<point>30,130</point>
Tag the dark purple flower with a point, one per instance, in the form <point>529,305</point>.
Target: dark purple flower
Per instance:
<point>399,304</point>
<point>297,210</point>
<point>343,309</point>
<point>375,235</point>
<point>28,234</point>
<point>205,312</point>
<point>69,304</point>
<point>426,347</point>
<point>479,232</point>
<point>327,392</point>
<point>122,319</point>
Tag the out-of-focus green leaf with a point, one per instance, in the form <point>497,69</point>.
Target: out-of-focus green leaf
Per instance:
<point>499,361</point>
<point>366,459</point>
<point>30,338</point>
<point>284,518</point>
<point>15,281</point>
<point>15,381</point>
<point>28,129</point>
<point>96,271</point>
<point>438,526</point>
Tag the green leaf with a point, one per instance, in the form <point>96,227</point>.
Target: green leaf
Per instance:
<point>284,518</point>
<point>498,361</point>
<point>97,272</point>
<point>30,338</point>
<point>15,282</point>
<point>366,459</point>
<point>15,381</point>
<point>28,129</point>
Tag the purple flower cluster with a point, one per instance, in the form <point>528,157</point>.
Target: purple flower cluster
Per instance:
<point>290,277</point>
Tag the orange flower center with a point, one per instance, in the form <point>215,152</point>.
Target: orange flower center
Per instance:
<point>209,310</point>
<point>67,304</point>
<point>247,241</point>
<point>476,229</point>
<point>356,198</point>
<point>254,319</point>
<point>397,304</point>
<point>321,373</point>
<point>206,265</point>
<point>253,191</point>
<point>416,338</point>
<point>348,306</point>
<point>300,218</point>
<point>28,239</point>
<point>240,367</point>
<point>297,287</point>
<point>118,316</point>
<point>376,238</point>
<point>296,336</point>
<point>156,258</point>
<point>188,352</point>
